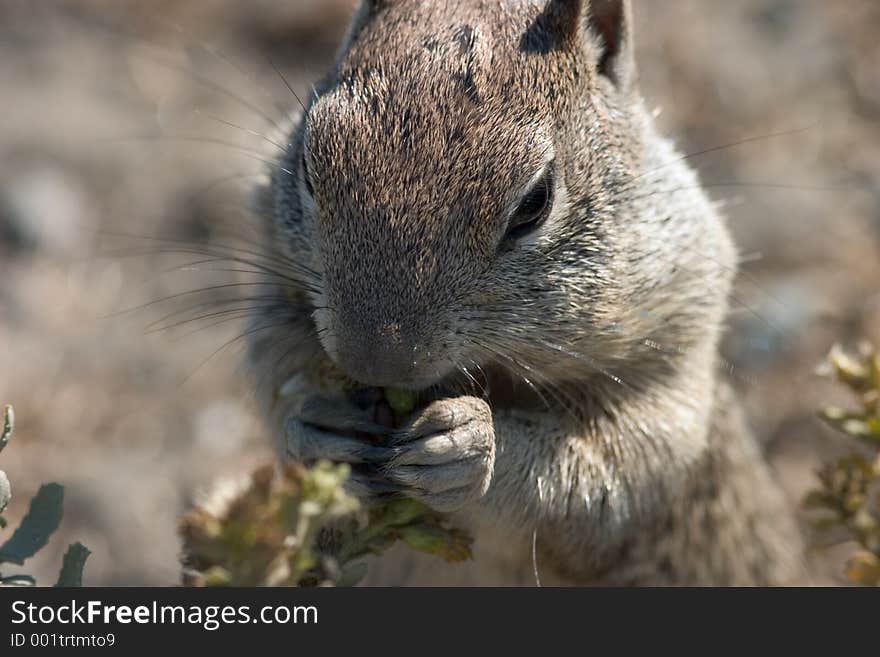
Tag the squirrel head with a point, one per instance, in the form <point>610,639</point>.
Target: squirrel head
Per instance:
<point>458,190</point>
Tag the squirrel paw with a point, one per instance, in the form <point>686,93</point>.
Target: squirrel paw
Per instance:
<point>338,431</point>
<point>445,455</point>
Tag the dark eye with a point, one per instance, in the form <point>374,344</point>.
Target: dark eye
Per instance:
<point>533,208</point>
<point>306,175</point>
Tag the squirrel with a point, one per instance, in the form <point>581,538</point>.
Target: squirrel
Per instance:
<point>475,204</point>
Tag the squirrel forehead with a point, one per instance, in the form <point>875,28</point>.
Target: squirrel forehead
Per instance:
<point>404,127</point>
<point>435,96</point>
<point>466,55</point>
<point>500,50</point>
<point>429,162</point>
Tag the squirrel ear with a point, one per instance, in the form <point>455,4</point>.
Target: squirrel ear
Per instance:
<point>610,21</point>
<point>555,28</point>
<point>375,6</point>
<point>562,23</point>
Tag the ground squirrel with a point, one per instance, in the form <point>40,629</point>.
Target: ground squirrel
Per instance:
<point>475,202</point>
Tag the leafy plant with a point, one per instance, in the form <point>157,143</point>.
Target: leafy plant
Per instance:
<point>41,520</point>
<point>847,503</point>
<point>298,527</point>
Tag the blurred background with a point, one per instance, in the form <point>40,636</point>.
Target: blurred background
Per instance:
<point>124,121</point>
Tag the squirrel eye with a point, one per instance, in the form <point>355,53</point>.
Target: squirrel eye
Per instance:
<point>533,208</point>
<point>306,177</point>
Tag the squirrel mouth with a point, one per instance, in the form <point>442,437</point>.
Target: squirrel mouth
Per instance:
<point>386,363</point>
<point>416,376</point>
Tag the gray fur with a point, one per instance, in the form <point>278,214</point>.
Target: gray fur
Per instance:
<point>604,433</point>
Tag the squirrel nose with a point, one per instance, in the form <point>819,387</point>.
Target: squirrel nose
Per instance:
<point>379,356</point>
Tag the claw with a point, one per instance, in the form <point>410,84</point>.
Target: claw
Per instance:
<point>336,414</point>
<point>439,478</point>
<point>447,501</point>
<point>368,486</point>
<point>305,442</point>
<point>365,398</point>
<point>436,450</point>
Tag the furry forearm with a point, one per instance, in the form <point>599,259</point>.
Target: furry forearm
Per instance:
<point>608,477</point>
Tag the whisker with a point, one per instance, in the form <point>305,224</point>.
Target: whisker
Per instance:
<point>178,295</point>
<point>586,359</point>
<point>306,283</point>
<point>213,250</point>
<point>470,377</point>
<point>228,344</point>
<point>211,84</point>
<point>200,140</point>
<point>485,385</point>
<point>565,404</point>
<point>313,334</point>
<point>269,300</point>
<point>207,327</point>
<point>249,131</point>
<point>190,200</point>
<point>738,183</point>
<point>286,83</point>
<point>715,149</point>
<point>214,51</point>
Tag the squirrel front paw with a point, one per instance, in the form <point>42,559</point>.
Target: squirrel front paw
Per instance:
<point>445,455</point>
<point>334,429</point>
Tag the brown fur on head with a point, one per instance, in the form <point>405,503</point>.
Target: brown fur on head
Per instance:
<point>412,189</point>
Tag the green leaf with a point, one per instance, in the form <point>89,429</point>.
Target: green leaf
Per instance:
<point>864,568</point>
<point>825,523</point>
<point>816,499</point>
<point>72,567</point>
<point>5,491</point>
<point>394,513</point>
<point>43,518</point>
<point>401,401</point>
<point>8,426</point>
<point>352,574</point>
<point>448,544</point>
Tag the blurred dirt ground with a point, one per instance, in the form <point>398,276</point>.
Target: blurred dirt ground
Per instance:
<point>111,126</point>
